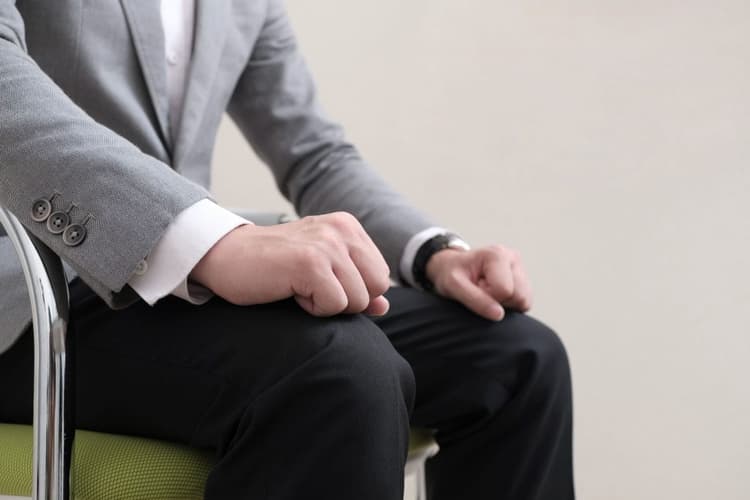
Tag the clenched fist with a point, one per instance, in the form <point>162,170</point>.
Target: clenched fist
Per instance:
<point>486,280</point>
<point>328,264</point>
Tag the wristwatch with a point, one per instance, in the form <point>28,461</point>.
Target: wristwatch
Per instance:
<point>427,250</point>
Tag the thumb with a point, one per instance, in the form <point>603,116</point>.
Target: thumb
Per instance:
<point>475,298</point>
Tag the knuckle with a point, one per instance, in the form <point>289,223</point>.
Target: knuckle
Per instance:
<point>327,233</point>
<point>336,251</point>
<point>310,220</point>
<point>310,256</point>
<point>504,290</point>
<point>343,220</point>
<point>489,254</point>
<point>502,251</point>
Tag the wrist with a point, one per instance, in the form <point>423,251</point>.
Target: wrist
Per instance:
<point>202,271</point>
<point>424,265</point>
<point>206,269</point>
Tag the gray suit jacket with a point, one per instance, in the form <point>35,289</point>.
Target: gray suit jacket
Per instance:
<point>83,116</point>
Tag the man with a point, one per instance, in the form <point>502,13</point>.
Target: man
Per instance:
<point>281,348</point>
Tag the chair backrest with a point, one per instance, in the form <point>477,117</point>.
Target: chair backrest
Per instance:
<point>53,429</point>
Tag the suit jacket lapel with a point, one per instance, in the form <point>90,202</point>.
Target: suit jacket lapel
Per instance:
<point>211,18</point>
<point>144,20</point>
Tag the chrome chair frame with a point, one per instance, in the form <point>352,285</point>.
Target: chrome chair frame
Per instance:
<point>53,429</point>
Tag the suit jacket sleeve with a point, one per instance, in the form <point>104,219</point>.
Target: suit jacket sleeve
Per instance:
<point>49,145</point>
<point>276,108</point>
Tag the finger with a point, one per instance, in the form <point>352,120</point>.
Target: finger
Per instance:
<point>498,277</point>
<point>323,294</point>
<point>378,306</point>
<point>368,257</point>
<point>362,251</point>
<point>521,299</point>
<point>372,267</point>
<point>357,295</point>
<point>473,297</point>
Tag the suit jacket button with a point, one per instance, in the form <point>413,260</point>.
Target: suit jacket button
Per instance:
<point>57,222</point>
<point>40,210</point>
<point>141,268</point>
<point>74,235</point>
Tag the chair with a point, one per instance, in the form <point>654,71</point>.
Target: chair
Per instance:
<point>36,460</point>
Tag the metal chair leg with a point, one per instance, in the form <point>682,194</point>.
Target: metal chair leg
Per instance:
<point>421,484</point>
<point>48,291</point>
<point>423,446</point>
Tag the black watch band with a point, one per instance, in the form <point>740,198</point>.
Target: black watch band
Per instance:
<point>427,250</point>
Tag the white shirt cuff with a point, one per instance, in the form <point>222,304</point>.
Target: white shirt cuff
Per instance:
<point>187,239</point>
<point>410,252</point>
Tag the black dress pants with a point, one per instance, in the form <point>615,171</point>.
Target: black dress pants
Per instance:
<point>299,407</point>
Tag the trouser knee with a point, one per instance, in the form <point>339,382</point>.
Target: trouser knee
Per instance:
<point>543,359</point>
<point>370,377</point>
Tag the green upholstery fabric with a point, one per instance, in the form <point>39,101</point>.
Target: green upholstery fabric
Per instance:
<point>421,446</point>
<point>112,467</point>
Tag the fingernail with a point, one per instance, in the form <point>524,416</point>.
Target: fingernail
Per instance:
<point>497,312</point>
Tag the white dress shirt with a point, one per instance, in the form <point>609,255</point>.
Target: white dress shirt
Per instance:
<point>178,21</point>
<point>199,227</point>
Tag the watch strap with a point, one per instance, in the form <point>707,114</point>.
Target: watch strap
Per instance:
<point>427,250</point>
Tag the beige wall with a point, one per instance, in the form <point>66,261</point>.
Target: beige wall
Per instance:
<point>609,141</point>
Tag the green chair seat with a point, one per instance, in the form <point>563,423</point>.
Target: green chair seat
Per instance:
<point>107,466</point>
<point>113,467</point>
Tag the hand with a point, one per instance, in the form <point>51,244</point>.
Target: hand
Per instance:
<point>486,280</point>
<point>328,264</point>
